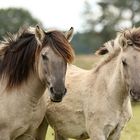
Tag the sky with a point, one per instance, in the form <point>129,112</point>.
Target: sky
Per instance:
<point>60,14</point>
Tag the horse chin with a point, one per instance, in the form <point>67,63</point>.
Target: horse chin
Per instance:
<point>135,100</point>
<point>56,101</point>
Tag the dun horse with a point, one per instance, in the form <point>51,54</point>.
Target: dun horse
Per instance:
<point>30,62</point>
<point>97,105</point>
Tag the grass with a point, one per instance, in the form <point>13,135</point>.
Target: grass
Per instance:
<point>132,129</point>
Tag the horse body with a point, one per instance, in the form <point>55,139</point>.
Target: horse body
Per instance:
<point>98,104</point>
<point>88,109</point>
<point>27,68</point>
<point>20,103</point>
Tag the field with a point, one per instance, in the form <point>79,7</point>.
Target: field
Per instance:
<point>132,129</point>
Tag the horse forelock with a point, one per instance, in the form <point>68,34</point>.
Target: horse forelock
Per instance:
<point>111,49</point>
<point>107,59</point>
<point>57,41</point>
<point>108,47</point>
<point>132,34</point>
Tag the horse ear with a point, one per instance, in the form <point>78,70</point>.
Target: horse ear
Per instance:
<point>39,34</point>
<point>106,48</point>
<point>69,34</point>
<point>102,51</point>
<point>122,42</point>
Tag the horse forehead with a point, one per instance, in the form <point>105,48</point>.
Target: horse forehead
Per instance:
<point>48,51</point>
<point>132,51</point>
<point>132,56</point>
<point>45,50</point>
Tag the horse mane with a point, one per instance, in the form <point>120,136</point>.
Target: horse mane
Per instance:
<point>59,44</point>
<point>21,51</point>
<point>132,34</point>
<point>107,59</point>
<point>112,50</point>
<point>109,50</point>
<point>107,47</point>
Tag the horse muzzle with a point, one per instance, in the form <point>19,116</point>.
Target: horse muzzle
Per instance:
<point>57,96</point>
<point>135,96</point>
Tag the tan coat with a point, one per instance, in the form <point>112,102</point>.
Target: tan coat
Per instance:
<point>97,104</point>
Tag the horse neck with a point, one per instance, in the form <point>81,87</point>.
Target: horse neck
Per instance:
<point>34,87</point>
<point>116,84</point>
<point>110,79</point>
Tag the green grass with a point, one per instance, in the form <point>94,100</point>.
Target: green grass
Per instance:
<point>132,129</point>
<point>50,134</point>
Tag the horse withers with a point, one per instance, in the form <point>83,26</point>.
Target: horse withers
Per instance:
<point>98,105</point>
<point>31,61</point>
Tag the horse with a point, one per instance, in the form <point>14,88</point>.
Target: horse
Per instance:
<point>98,105</point>
<point>31,61</point>
<point>135,96</point>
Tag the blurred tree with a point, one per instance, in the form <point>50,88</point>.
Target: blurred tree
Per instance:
<point>12,18</point>
<point>112,16</point>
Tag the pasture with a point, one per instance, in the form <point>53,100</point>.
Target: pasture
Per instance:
<point>132,130</point>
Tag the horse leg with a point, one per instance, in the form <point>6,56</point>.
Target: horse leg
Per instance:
<point>40,133</point>
<point>96,133</point>
<point>100,134</point>
<point>116,134</point>
<point>42,130</point>
<point>97,136</point>
<point>58,136</point>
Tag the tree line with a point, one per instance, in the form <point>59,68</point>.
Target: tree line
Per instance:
<point>99,26</point>
<point>102,25</point>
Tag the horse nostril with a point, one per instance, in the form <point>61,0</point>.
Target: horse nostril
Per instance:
<point>51,89</point>
<point>65,91</point>
<point>132,93</point>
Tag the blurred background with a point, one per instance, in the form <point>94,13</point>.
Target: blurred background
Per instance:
<point>94,21</point>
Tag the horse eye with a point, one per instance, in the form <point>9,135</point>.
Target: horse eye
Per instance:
<point>44,57</point>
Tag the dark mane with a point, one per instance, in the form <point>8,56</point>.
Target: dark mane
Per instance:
<point>21,51</point>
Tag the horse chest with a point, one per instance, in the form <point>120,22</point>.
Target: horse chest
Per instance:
<point>20,117</point>
<point>37,113</point>
<point>67,120</point>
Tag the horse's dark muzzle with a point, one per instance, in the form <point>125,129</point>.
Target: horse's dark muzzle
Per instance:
<point>57,96</point>
<point>135,96</point>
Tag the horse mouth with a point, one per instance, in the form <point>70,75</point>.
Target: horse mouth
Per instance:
<point>57,96</point>
<point>56,100</point>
